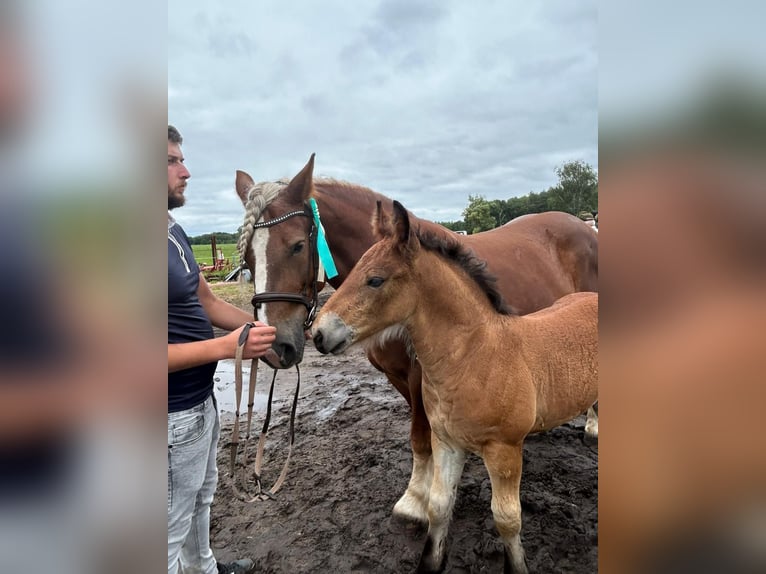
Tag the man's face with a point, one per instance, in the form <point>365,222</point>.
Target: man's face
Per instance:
<point>177,176</point>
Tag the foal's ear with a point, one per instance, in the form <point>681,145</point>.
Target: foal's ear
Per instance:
<point>402,229</point>
<point>381,222</point>
<point>300,187</point>
<point>243,184</point>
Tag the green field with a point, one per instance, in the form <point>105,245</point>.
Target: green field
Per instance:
<point>204,253</point>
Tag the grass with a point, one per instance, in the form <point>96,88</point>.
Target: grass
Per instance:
<point>204,256</point>
<point>235,293</point>
<point>204,253</point>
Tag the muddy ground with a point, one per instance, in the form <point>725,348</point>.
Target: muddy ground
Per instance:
<point>350,464</point>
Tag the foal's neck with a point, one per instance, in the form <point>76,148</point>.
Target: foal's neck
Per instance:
<point>453,314</point>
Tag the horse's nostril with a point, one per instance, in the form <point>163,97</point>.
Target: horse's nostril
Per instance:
<point>318,339</point>
<point>287,354</point>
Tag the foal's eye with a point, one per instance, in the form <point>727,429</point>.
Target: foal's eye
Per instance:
<point>375,281</point>
<point>297,248</point>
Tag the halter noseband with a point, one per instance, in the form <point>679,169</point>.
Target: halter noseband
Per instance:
<point>309,302</point>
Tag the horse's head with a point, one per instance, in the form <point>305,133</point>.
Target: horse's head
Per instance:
<point>380,291</point>
<point>278,244</point>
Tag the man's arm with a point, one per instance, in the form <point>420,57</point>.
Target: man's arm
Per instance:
<point>221,314</point>
<point>225,316</point>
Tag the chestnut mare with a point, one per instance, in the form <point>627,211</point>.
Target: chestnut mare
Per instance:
<point>537,259</point>
<point>490,377</point>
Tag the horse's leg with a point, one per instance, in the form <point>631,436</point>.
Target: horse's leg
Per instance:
<point>414,504</point>
<point>394,361</point>
<point>504,465</point>
<point>591,422</point>
<point>448,466</point>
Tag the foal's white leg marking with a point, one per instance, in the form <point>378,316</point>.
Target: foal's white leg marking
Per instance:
<point>448,467</point>
<point>504,466</point>
<point>591,423</point>
<point>259,243</point>
<point>506,511</point>
<point>516,550</point>
<point>414,504</point>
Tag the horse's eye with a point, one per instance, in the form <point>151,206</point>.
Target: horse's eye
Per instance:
<point>297,248</point>
<point>375,281</point>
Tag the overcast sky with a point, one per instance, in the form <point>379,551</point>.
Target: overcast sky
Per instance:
<point>427,102</point>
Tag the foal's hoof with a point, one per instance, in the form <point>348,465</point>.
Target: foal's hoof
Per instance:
<point>430,564</point>
<point>589,439</point>
<point>424,567</point>
<point>406,525</point>
<point>411,508</point>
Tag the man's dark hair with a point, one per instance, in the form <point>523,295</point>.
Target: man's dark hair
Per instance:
<point>174,136</point>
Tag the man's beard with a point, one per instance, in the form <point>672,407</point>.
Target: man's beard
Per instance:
<point>176,200</point>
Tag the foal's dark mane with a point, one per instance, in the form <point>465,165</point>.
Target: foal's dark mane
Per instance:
<point>476,268</point>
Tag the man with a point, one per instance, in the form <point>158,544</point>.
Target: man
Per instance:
<point>193,352</point>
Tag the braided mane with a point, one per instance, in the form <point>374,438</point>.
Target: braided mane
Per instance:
<point>258,197</point>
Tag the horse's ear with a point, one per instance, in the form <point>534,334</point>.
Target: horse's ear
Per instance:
<point>381,222</point>
<point>300,187</point>
<point>402,229</point>
<point>243,184</point>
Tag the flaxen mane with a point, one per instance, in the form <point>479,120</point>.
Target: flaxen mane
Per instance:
<point>476,268</point>
<point>258,197</point>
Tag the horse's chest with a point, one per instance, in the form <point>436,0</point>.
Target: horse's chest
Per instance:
<point>451,417</point>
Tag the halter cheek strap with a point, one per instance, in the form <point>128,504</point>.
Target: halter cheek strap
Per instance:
<point>321,264</point>
<point>276,296</point>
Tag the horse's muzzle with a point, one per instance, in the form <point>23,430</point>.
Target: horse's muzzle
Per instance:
<point>330,335</point>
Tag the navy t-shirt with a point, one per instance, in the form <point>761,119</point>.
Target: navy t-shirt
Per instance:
<point>187,322</point>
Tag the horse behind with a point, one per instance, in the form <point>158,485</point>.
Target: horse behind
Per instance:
<point>536,258</point>
<point>490,377</point>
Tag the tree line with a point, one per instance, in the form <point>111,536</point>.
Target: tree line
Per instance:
<point>576,192</point>
<point>220,237</point>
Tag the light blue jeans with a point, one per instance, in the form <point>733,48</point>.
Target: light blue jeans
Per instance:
<point>192,477</point>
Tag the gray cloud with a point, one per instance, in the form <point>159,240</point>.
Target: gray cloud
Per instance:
<point>425,101</point>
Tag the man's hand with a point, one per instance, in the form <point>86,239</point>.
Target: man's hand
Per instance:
<point>259,340</point>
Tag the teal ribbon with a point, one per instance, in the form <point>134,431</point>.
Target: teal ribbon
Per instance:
<point>324,250</point>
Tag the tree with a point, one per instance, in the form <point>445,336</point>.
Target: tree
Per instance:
<point>478,215</point>
<point>501,211</point>
<point>453,225</point>
<point>537,202</point>
<point>577,189</point>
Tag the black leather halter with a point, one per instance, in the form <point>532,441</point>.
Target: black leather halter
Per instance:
<point>309,300</point>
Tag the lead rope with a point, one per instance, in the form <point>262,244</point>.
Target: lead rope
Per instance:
<point>260,493</point>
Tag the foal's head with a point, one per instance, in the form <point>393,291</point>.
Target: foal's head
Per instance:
<point>279,255</point>
<point>378,293</point>
<point>383,289</point>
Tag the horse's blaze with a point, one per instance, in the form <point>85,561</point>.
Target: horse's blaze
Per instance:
<point>260,244</point>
